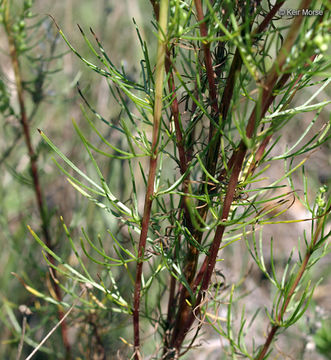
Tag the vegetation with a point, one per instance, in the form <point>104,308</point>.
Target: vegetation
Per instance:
<point>195,213</point>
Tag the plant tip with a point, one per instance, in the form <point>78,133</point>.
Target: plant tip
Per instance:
<point>81,30</point>
<point>95,36</point>
<point>52,17</point>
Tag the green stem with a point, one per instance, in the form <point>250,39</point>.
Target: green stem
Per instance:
<point>159,77</point>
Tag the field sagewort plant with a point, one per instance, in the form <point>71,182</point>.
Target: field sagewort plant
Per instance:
<point>208,116</point>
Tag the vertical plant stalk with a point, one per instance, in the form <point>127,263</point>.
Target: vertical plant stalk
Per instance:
<point>175,115</point>
<point>208,62</point>
<point>260,151</point>
<point>267,98</point>
<point>207,268</point>
<point>211,166</point>
<point>225,103</point>
<point>193,253</point>
<point>33,165</point>
<point>192,258</point>
<point>159,77</point>
<point>156,8</point>
<point>287,299</point>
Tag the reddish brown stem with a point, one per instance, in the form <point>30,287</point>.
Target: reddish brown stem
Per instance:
<point>183,167</point>
<point>260,151</point>
<point>184,310</point>
<point>141,249</point>
<point>229,88</point>
<point>268,97</point>
<point>159,76</point>
<point>175,114</point>
<point>209,264</point>
<point>192,255</point>
<point>208,63</point>
<point>34,169</point>
<point>268,342</point>
<point>156,8</point>
<point>268,18</point>
<point>207,57</point>
<point>291,292</point>
<point>268,86</point>
<point>170,313</point>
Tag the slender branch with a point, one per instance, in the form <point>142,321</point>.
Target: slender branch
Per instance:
<point>260,151</point>
<point>208,62</point>
<point>211,165</point>
<point>175,114</point>
<point>229,86</point>
<point>57,325</point>
<point>161,51</point>
<point>156,8</point>
<point>285,50</point>
<point>33,164</point>
<point>208,265</point>
<point>240,154</point>
<point>268,18</point>
<point>183,162</point>
<point>192,257</point>
<point>170,314</point>
<point>292,290</point>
